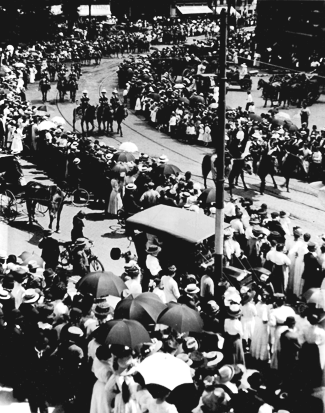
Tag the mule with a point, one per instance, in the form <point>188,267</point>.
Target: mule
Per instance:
<point>50,196</point>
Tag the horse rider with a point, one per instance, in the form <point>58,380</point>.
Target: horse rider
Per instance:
<point>44,86</point>
<point>61,74</point>
<point>115,99</point>
<point>103,99</point>
<point>73,74</point>
<point>84,101</point>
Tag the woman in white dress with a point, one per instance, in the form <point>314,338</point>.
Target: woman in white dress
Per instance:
<point>248,317</point>
<point>260,340</point>
<point>207,135</point>
<point>102,369</point>
<point>201,133</point>
<point>17,141</point>
<point>32,74</point>
<point>115,199</point>
<point>300,266</point>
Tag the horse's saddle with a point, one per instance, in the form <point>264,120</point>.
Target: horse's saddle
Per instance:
<point>39,192</point>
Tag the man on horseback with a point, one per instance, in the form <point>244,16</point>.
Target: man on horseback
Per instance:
<point>84,101</point>
<point>115,101</point>
<point>103,99</point>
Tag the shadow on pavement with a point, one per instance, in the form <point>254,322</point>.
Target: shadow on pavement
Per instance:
<point>95,216</point>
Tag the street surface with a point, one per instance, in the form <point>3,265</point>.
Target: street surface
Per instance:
<point>301,203</point>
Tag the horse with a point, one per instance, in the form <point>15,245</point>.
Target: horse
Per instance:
<point>97,55</point>
<point>52,71</point>
<point>85,115</point>
<point>50,196</point>
<point>120,114</point>
<point>270,91</point>
<point>61,87</point>
<point>266,167</point>
<point>105,115</point>
<point>291,163</point>
<point>44,87</point>
<point>284,93</point>
<point>73,87</point>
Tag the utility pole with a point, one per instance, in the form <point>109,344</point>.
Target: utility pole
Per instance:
<point>220,150</point>
<point>89,17</point>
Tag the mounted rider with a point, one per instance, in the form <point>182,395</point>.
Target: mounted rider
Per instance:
<point>103,99</point>
<point>73,75</point>
<point>44,82</point>
<point>115,99</point>
<point>84,100</point>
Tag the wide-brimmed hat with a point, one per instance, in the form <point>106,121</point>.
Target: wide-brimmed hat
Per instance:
<point>212,307</point>
<point>81,242</point>
<point>4,294</point>
<point>153,250</point>
<point>191,289</point>
<point>226,373</point>
<point>213,358</point>
<point>30,296</point>
<point>163,159</point>
<point>234,311</point>
<point>190,344</point>
<point>19,274</point>
<point>102,310</point>
<point>74,333</point>
<point>153,347</point>
<point>131,187</point>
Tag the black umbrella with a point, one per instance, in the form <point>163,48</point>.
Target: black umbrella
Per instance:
<point>198,99</point>
<point>168,169</point>
<point>255,117</point>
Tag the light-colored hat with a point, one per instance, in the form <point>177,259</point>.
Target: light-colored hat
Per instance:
<point>226,373</point>
<point>163,159</point>
<point>191,289</point>
<point>131,187</point>
<point>30,296</point>
<point>76,161</point>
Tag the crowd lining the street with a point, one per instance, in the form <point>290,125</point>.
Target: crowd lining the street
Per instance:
<point>256,352</point>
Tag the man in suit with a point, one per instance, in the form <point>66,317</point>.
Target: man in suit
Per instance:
<point>275,226</point>
<point>312,276</point>
<point>50,249</point>
<point>288,359</point>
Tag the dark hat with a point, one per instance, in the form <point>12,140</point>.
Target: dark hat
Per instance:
<point>248,297</point>
<point>8,282</point>
<point>102,310</point>
<point>274,214</point>
<point>48,232</point>
<point>311,246</point>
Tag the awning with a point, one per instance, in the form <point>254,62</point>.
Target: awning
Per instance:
<point>96,10</point>
<point>194,9</point>
<point>174,222</point>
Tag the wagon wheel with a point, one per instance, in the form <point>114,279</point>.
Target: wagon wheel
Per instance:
<point>8,206</point>
<point>171,75</point>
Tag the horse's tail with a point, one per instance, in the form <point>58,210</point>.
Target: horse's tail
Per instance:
<point>206,166</point>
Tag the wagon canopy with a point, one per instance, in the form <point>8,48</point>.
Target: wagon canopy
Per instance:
<point>175,222</point>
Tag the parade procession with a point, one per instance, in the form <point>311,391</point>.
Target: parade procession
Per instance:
<point>162,208</point>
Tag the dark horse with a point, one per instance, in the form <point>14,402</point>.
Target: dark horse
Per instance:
<point>290,164</point>
<point>105,115</point>
<point>86,115</point>
<point>270,91</point>
<point>73,87</point>
<point>49,196</point>
<point>61,87</point>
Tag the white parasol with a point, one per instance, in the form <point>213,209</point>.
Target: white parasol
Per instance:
<point>46,125</point>
<point>128,147</point>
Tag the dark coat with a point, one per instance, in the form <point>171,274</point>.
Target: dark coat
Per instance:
<point>50,251</point>
<point>312,274</point>
<point>275,226</point>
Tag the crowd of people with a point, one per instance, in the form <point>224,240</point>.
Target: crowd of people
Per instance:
<point>262,345</point>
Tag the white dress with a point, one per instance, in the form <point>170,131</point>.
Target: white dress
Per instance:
<point>207,134</point>
<point>260,340</point>
<point>248,320</point>
<point>292,255</point>
<point>17,141</point>
<point>299,268</point>
<point>138,104</point>
<point>115,200</point>
<point>201,134</point>
<point>99,402</point>
<point>32,74</point>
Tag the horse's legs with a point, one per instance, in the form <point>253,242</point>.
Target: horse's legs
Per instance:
<point>274,183</point>
<point>58,216</point>
<point>243,180</point>
<point>262,187</point>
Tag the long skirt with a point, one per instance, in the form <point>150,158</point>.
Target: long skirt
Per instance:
<point>233,350</point>
<point>99,403</point>
<point>260,340</point>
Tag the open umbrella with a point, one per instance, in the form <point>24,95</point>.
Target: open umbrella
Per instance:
<point>154,96</point>
<point>184,100</point>
<point>282,115</point>
<point>164,370</point>
<point>101,284</point>
<point>145,308</point>
<point>128,147</point>
<point>126,157</point>
<point>120,167</point>
<point>208,195</point>
<point>255,117</point>
<point>128,333</point>
<point>46,125</point>
<point>316,296</point>
<point>181,318</point>
<point>291,127</point>
<point>168,169</point>
<point>197,99</point>
<point>58,120</point>
<point>213,105</point>
<point>26,257</point>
